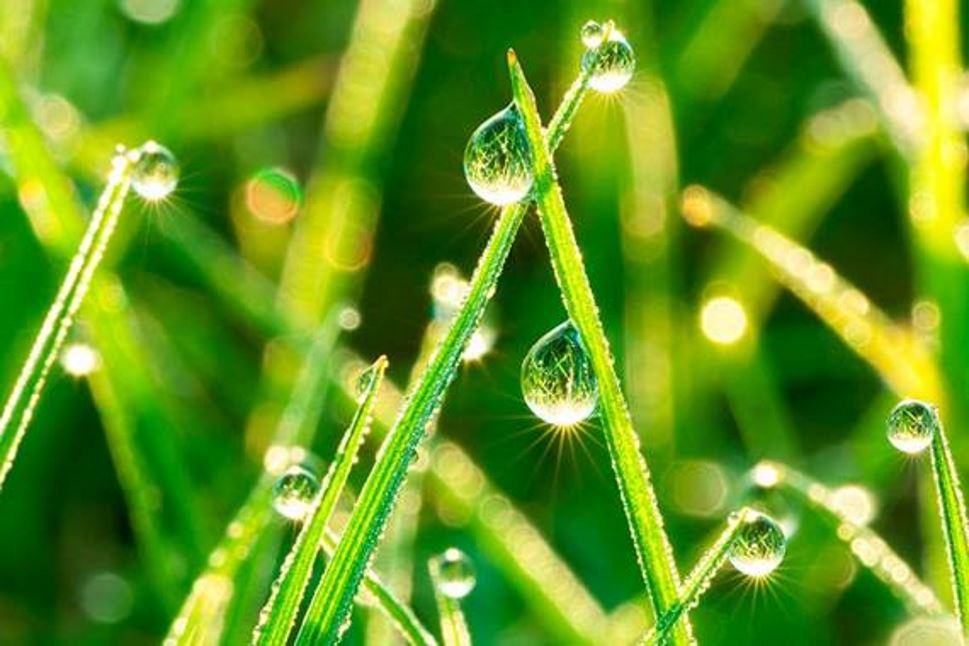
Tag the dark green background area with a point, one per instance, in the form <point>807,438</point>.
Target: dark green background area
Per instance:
<point>62,514</point>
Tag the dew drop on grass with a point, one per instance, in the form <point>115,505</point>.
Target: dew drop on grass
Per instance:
<point>456,578</point>
<point>155,172</point>
<point>911,426</point>
<point>759,547</point>
<point>592,33</point>
<point>496,160</point>
<point>364,380</point>
<point>611,62</point>
<point>294,491</point>
<point>558,383</point>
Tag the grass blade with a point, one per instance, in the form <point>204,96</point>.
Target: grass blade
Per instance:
<point>282,607</point>
<point>329,610</point>
<point>870,549</point>
<point>653,551</point>
<point>454,627</point>
<point>698,580</point>
<point>26,392</point>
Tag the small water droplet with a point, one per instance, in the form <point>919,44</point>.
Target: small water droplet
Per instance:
<point>911,426</point>
<point>496,160</point>
<point>456,578</point>
<point>760,546</point>
<point>557,378</point>
<point>611,63</point>
<point>294,491</point>
<point>592,34</point>
<point>364,382</point>
<point>155,172</point>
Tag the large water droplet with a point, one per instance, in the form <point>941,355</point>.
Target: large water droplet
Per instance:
<point>557,378</point>
<point>496,161</point>
<point>911,425</point>
<point>760,546</point>
<point>456,577</point>
<point>155,172</point>
<point>611,63</point>
<point>294,491</point>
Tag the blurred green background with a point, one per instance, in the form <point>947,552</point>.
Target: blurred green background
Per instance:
<point>746,97</point>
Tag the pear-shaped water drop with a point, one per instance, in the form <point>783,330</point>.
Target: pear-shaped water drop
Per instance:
<point>456,578</point>
<point>911,426</point>
<point>557,378</point>
<point>155,172</point>
<point>294,491</point>
<point>759,547</point>
<point>496,161</point>
<point>592,34</point>
<point>610,64</point>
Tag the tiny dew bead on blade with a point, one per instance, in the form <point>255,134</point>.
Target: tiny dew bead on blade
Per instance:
<point>456,578</point>
<point>759,547</point>
<point>154,174</point>
<point>293,493</point>
<point>609,58</point>
<point>496,160</point>
<point>911,425</point>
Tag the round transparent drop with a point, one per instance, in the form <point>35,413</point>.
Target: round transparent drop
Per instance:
<point>759,547</point>
<point>155,172</point>
<point>611,64</point>
<point>294,491</point>
<point>456,578</point>
<point>558,383</point>
<point>911,426</point>
<point>496,160</point>
<point>592,34</point>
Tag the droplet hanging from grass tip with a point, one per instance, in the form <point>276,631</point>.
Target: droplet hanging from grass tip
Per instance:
<point>911,426</point>
<point>609,59</point>
<point>759,547</point>
<point>155,172</point>
<point>456,577</point>
<point>558,382</point>
<point>293,493</point>
<point>496,160</point>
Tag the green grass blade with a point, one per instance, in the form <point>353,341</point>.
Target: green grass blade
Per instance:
<point>698,580</point>
<point>870,549</point>
<point>454,627</point>
<point>282,607</point>
<point>653,550</point>
<point>26,392</point>
<point>955,523</point>
<point>331,604</point>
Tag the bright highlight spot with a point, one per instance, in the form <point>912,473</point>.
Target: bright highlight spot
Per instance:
<point>80,359</point>
<point>723,320</point>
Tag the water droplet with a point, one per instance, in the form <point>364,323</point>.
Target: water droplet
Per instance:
<point>557,379</point>
<point>364,382</point>
<point>294,491</point>
<point>456,577</point>
<point>911,425</point>
<point>611,63</point>
<point>80,359</point>
<point>155,172</point>
<point>496,161</point>
<point>760,546</point>
<point>592,34</point>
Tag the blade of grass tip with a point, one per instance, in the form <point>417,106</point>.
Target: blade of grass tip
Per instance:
<point>698,580</point>
<point>893,352</point>
<point>29,386</point>
<point>282,607</point>
<point>870,549</point>
<point>653,551</point>
<point>294,430</point>
<point>869,62</point>
<point>955,522</point>
<point>454,627</point>
<point>328,614</point>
